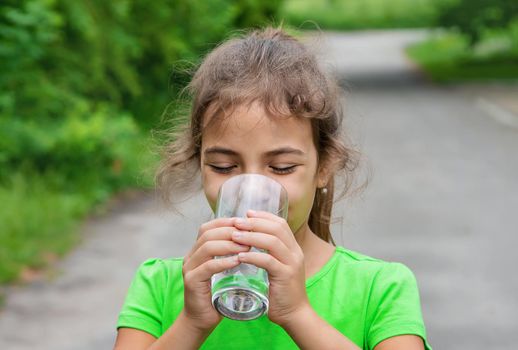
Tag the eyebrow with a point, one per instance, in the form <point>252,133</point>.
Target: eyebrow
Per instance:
<point>272,153</point>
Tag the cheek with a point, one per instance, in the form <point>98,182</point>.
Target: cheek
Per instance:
<point>300,196</point>
<point>300,207</point>
<point>210,188</point>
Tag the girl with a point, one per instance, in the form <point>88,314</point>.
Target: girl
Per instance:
<point>261,104</point>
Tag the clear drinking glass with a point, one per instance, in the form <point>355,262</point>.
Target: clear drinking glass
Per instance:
<point>241,293</point>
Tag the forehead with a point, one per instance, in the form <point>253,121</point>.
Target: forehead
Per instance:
<point>251,128</point>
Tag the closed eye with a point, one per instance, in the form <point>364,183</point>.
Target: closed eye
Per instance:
<point>277,170</point>
<point>286,170</point>
<point>222,170</point>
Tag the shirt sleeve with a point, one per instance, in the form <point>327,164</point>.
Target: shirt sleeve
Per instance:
<point>394,306</point>
<point>144,302</point>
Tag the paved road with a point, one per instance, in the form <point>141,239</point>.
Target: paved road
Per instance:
<point>444,194</point>
<point>442,199</point>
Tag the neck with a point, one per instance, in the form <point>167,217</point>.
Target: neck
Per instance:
<point>316,251</point>
<point>303,237</point>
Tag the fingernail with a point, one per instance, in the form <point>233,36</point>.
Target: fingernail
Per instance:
<point>251,212</point>
<point>237,234</point>
<point>242,222</point>
<point>241,255</point>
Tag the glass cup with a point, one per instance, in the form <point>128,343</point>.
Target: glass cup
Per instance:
<point>241,293</point>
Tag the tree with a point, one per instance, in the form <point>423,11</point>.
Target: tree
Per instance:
<point>472,17</point>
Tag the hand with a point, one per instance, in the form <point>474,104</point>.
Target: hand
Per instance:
<point>284,263</point>
<point>214,239</point>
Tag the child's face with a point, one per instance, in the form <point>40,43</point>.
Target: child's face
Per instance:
<point>241,143</point>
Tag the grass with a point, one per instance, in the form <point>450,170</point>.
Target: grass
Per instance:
<point>41,213</point>
<point>360,14</point>
<point>36,223</point>
<point>447,57</point>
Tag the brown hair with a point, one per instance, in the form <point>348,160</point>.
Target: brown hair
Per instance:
<point>275,69</point>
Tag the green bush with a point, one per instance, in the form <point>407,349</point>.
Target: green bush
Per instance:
<point>96,140</point>
<point>474,17</point>
<point>81,84</point>
<point>54,173</point>
<point>360,14</point>
<point>36,222</point>
<point>55,53</point>
<point>448,56</point>
<point>62,172</point>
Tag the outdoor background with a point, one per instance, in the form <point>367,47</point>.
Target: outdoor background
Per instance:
<point>88,87</point>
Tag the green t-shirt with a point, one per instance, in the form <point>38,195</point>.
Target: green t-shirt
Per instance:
<point>366,299</point>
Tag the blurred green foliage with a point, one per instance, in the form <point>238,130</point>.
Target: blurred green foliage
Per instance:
<point>56,53</point>
<point>450,56</point>
<point>360,14</point>
<point>37,221</point>
<point>474,17</point>
<point>81,85</point>
<point>96,140</point>
<point>479,41</point>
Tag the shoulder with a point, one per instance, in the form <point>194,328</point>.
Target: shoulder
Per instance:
<point>376,270</point>
<point>156,267</point>
<point>358,260</point>
<point>153,266</point>
<point>155,279</point>
<point>152,285</point>
<point>158,264</point>
<point>355,257</point>
<point>391,296</point>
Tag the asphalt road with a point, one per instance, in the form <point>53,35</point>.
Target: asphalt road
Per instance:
<point>442,198</point>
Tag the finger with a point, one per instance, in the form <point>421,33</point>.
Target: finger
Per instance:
<point>219,222</point>
<point>275,228</point>
<point>265,215</point>
<point>260,240</point>
<point>210,225</point>
<point>265,261</point>
<point>215,234</point>
<point>211,249</point>
<point>205,271</point>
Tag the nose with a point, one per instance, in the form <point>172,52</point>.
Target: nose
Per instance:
<point>255,169</point>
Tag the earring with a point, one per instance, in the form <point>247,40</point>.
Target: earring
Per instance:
<point>324,190</point>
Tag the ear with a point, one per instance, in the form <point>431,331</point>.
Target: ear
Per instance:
<point>323,176</point>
